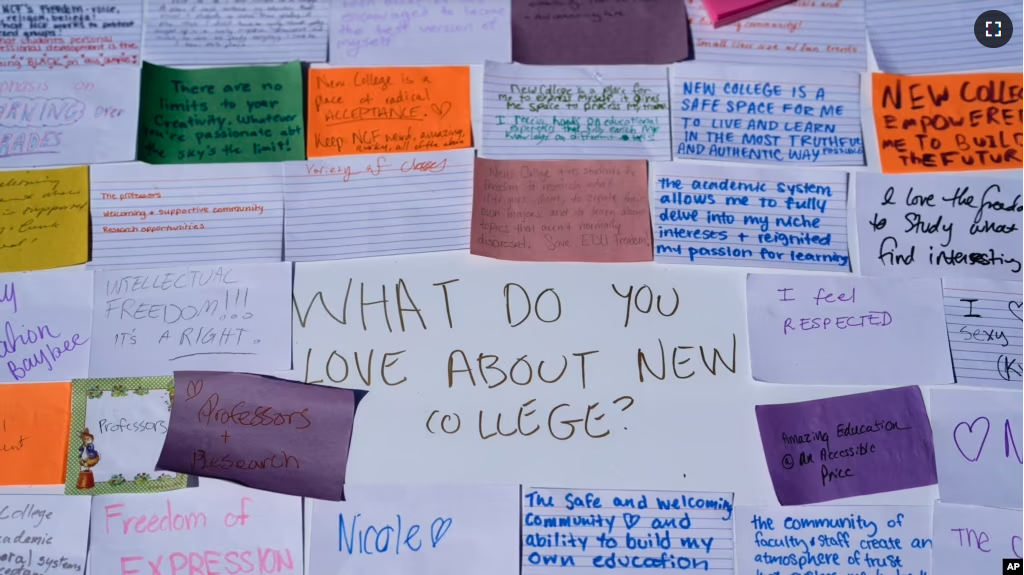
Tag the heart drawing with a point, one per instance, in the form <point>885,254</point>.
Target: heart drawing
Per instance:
<point>438,529</point>
<point>1014,307</point>
<point>631,520</point>
<point>442,110</point>
<point>969,436</point>
<point>193,389</point>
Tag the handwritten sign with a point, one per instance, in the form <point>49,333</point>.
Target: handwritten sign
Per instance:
<point>983,320</point>
<point>216,528</point>
<point>455,530</point>
<point>567,529</point>
<point>893,540</point>
<point>80,116</point>
<point>44,533</point>
<point>585,211</point>
<point>34,422</point>
<point>221,115</point>
<point>766,115</point>
<point>71,34</point>
<point>44,218</point>
<point>199,317</point>
<point>951,123</point>
<point>978,446</point>
<point>846,446</point>
<point>386,110</point>
<point>461,32</point>
<point>970,539</point>
<point>540,112</point>
<point>577,33</point>
<point>940,226</point>
<point>742,216</point>
<point>261,432</point>
<point>802,327</point>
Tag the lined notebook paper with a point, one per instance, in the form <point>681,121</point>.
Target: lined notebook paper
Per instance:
<point>575,113</point>
<point>820,33</point>
<point>983,319</point>
<point>200,32</point>
<point>364,206</point>
<point>148,215</point>
<point>941,37</point>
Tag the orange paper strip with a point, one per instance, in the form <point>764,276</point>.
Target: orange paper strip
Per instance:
<point>949,123</point>
<point>34,423</point>
<point>386,110</point>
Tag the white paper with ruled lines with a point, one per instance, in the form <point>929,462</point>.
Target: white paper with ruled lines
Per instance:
<point>983,320</point>
<point>575,113</point>
<point>147,216</point>
<point>378,205</point>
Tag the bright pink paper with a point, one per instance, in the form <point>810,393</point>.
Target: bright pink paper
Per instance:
<point>724,12</point>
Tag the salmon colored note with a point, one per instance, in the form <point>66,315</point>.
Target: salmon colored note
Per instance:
<point>386,110</point>
<point>34,423</point>
<point>44,219</point>
<point>949,123</point>
<point>561,211</point>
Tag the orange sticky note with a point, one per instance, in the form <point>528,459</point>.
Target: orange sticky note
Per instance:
<point>949,123</point>
<point>385,110</point>
<point>34,423</point>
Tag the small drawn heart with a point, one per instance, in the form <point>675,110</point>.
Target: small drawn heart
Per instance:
<point>442,110</point>
<point>970,430</point>
<point>1015,544</point>
<point>1016,312</point>
<point>438,529</point>
<point>631,520</point>
<point>193,389</point>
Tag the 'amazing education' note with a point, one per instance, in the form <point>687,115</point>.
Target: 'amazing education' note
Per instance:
<point>540,112</point>
<point>44,217</point>
<point>940,226</point>
<point>220,115</point>
<point>444,529</point>
<point>48,533</point>
<point>846,446</point>
<point>950,123</point>
<point>387,110</point>
<point>225,317</point>
<point>80,116</point>
<point>34,421</point>
<point>559,211</point>
<point>983,320</point>
<point>970,539</point>
<point>833,330</point>
<point>745,216</point>
<point>766,115</point>
<point>147,216</point>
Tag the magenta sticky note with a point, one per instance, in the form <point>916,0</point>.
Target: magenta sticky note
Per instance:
<point>723,12</point>
<point>849,445</point>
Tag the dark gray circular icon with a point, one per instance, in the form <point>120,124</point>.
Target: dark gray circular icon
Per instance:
<point>993,29</point>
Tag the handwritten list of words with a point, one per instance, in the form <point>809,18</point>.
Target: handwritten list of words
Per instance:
<point>743,216</point>
<point>766,115</point>
<point>44,218</point>
<point>44,534</point>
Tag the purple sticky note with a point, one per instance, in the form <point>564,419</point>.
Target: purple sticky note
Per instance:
<point>261,432</point>
<point>847,446</point>
<point>599,33</point>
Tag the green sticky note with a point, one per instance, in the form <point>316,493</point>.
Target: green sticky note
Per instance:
<point>221,115</point>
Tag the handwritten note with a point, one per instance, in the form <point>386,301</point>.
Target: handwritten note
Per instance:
<point>44,216</point>
<point>34,422</point>
<point>80,116</point>
<point>215,528</point>
<point>599,33</point>
<point>846,446</point>
<point>940,226</point>
<point>834,539</point>
<point>820,33</point>
<point>194,32</point>
<point>225,317</point>
<point>766,115</point>
<point>802,328</point>
<point>950,123</point>
<point>454,530</point>
<point>147,216</point>
<point>44,533</point>
<point>539,112</point>
<point>72,34</point>
<point>591,530</point>
<point>365,206</point>
<point>378,33</point>
<point>935,43</point>
<point>983,319</point>
<point>743,216</point>
<point>221,115</point>
<point>971,539</point>
<point>558,211</point>
<point>387,110</point>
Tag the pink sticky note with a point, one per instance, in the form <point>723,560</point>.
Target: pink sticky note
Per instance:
<point>723,12</point>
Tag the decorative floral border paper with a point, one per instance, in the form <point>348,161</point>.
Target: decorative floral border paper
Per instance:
<point>84,389</point>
